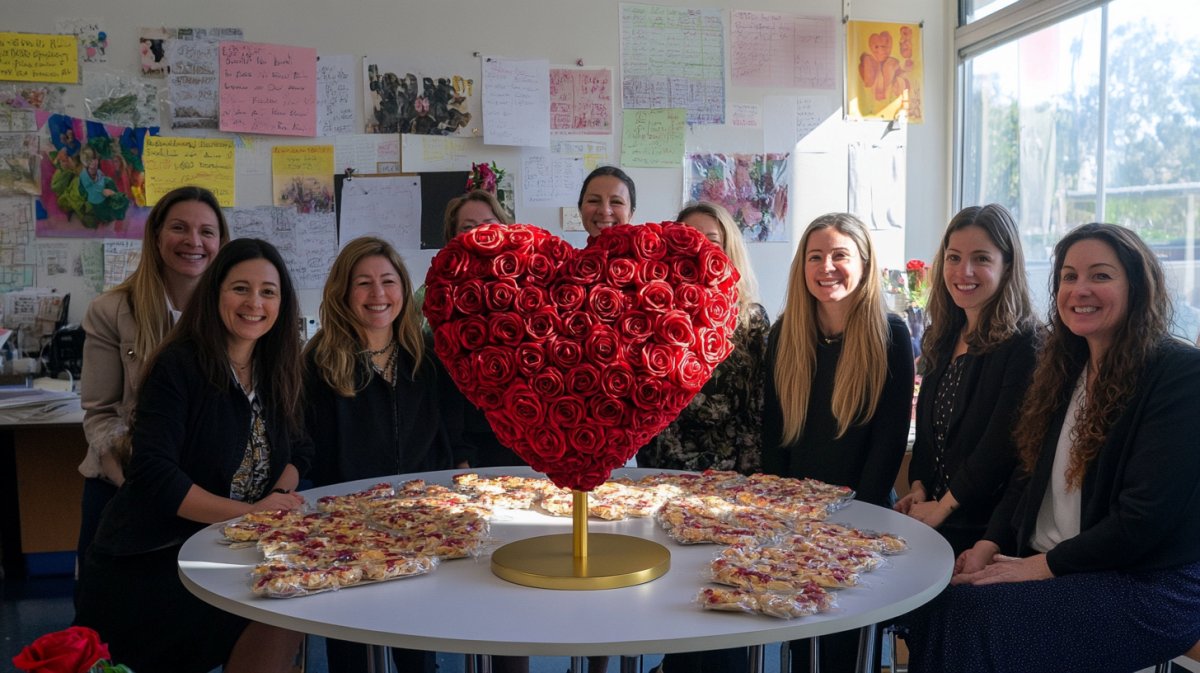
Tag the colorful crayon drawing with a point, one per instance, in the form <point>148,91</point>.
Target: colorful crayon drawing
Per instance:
<point>752,187</point>
<point>92,179</point>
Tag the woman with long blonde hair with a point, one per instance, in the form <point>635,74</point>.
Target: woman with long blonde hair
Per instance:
<point>839,380</point>
<point>126,324</point>
<point>372,392</point>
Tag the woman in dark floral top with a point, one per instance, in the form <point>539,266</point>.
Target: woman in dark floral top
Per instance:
<point>721,428</point>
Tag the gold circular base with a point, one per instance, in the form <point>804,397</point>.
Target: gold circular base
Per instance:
<point>612,561</point>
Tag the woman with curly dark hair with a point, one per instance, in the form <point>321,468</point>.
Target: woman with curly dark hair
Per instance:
<point>1092,560</point>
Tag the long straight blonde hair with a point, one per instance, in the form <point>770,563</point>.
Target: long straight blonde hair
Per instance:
<point>862,367</point>
<point>144,288</point>
<point>336,346</point>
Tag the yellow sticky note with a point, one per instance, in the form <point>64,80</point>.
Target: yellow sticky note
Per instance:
<point>175,162</point>
<point>35,57</point>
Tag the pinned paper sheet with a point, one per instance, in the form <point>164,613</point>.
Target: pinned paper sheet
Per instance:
<point>516,102</point>
<point>175,162</point>
<point>35,57</point>
<point>302,177</point>
<point>653,138</point>
<point>268,88</point>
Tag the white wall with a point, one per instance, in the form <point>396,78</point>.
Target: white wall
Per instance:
<point>562,31</point>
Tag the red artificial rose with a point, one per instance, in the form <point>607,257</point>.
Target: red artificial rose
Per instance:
<point>583,379</point>
<point>72,650</point>
<point>564,353</point>
<point>648,244</point>
<point>606,303</point>
<point>649,394</point>
<point>567,411</point>
<point>681,239</point>
<point>501,294</point>
<point>556,249</point>
<point>636,326</point>
<point>508,265</point>
<point>586,439</point>
<point>915,265</point>
<point>617,240</point>
<point>715,313</point>
<point>622,271</point>
<point>608,411</point>
<point>617,380</point>
<point>602,346</point>
<point>487,239</point>
<point>548,383</point>
<point>451,264</point>
<point>521,240</point>
<point>472,333</point>
<point>577,324</point>
<point>678,399</point>
<point>469,297</point>
<point>674,328</point>
<point>490,398</point>
<point>542,324</point>
<point>530,299</point>
<point>568,297</point>
<point>658,360</point>
<point>439,304</point>
<point>495,365</point>
<point>713,346</point>
<point>652,270</point>
<point>506,328</point>
<point>586,267</point>
<point>540,268</point>
<point>446,344</point>
<point>690,298</point>
<point>463,375</point>
<point>531,358</point>
<point>506,431</point>
<point>714,265</point>
<point>524,406</point>
<point>685,270</point>
<point>691,372</point>
<point>547,442</point>
<point>655,296</point>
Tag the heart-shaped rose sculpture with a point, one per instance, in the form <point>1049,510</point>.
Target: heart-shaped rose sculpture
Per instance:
<point>579,357</point>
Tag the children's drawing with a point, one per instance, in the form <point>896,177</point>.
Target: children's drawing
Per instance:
<point>885,70</point>
<point>399,100</point>
<point>92,179</point>
<point>753,187</point>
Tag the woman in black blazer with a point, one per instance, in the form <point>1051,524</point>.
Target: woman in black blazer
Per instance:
<point>978,355</point>
<point>1092,560</point>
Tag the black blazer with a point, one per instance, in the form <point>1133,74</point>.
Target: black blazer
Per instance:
<point>1141,494</point>
<point>186,431</point>
<point>979,453</point>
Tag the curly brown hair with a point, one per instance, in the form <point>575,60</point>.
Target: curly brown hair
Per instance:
<point>1064,354</point>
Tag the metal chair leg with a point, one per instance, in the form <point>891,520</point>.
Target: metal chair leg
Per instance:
<point>785,657</point>
<point>866,648</point>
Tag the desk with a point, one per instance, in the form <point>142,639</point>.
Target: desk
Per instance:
<point>41,485</point>
<point>463,607</point>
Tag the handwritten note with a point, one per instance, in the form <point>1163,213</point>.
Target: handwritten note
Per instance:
<point>385,206</point>
<point>34,57</point>
<point>175,162</point>
<point>193,83</point>
<point>121,258</point>
<point>653,138</point>
<point>302,177</point>
<point>746,115</point>
<point>593,152</point>
<point>335,94</point>
<point>365,152</point>
<point>306,241</point>
<point>516,102</point>
<point>16,234</point>
<point>268,88</point>
<point>581,101</point>
<point>674,57</point>
<point>548,180</point>
<point>782,50</point>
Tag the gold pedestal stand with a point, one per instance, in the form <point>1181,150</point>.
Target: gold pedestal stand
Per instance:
<point>579,561</point>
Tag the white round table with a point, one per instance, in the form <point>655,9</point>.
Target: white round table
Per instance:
<point>462,607</point>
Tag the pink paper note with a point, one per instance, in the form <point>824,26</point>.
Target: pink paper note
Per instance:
<point>268,88</point>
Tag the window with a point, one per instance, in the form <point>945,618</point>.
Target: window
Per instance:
<point>1091,114</point>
